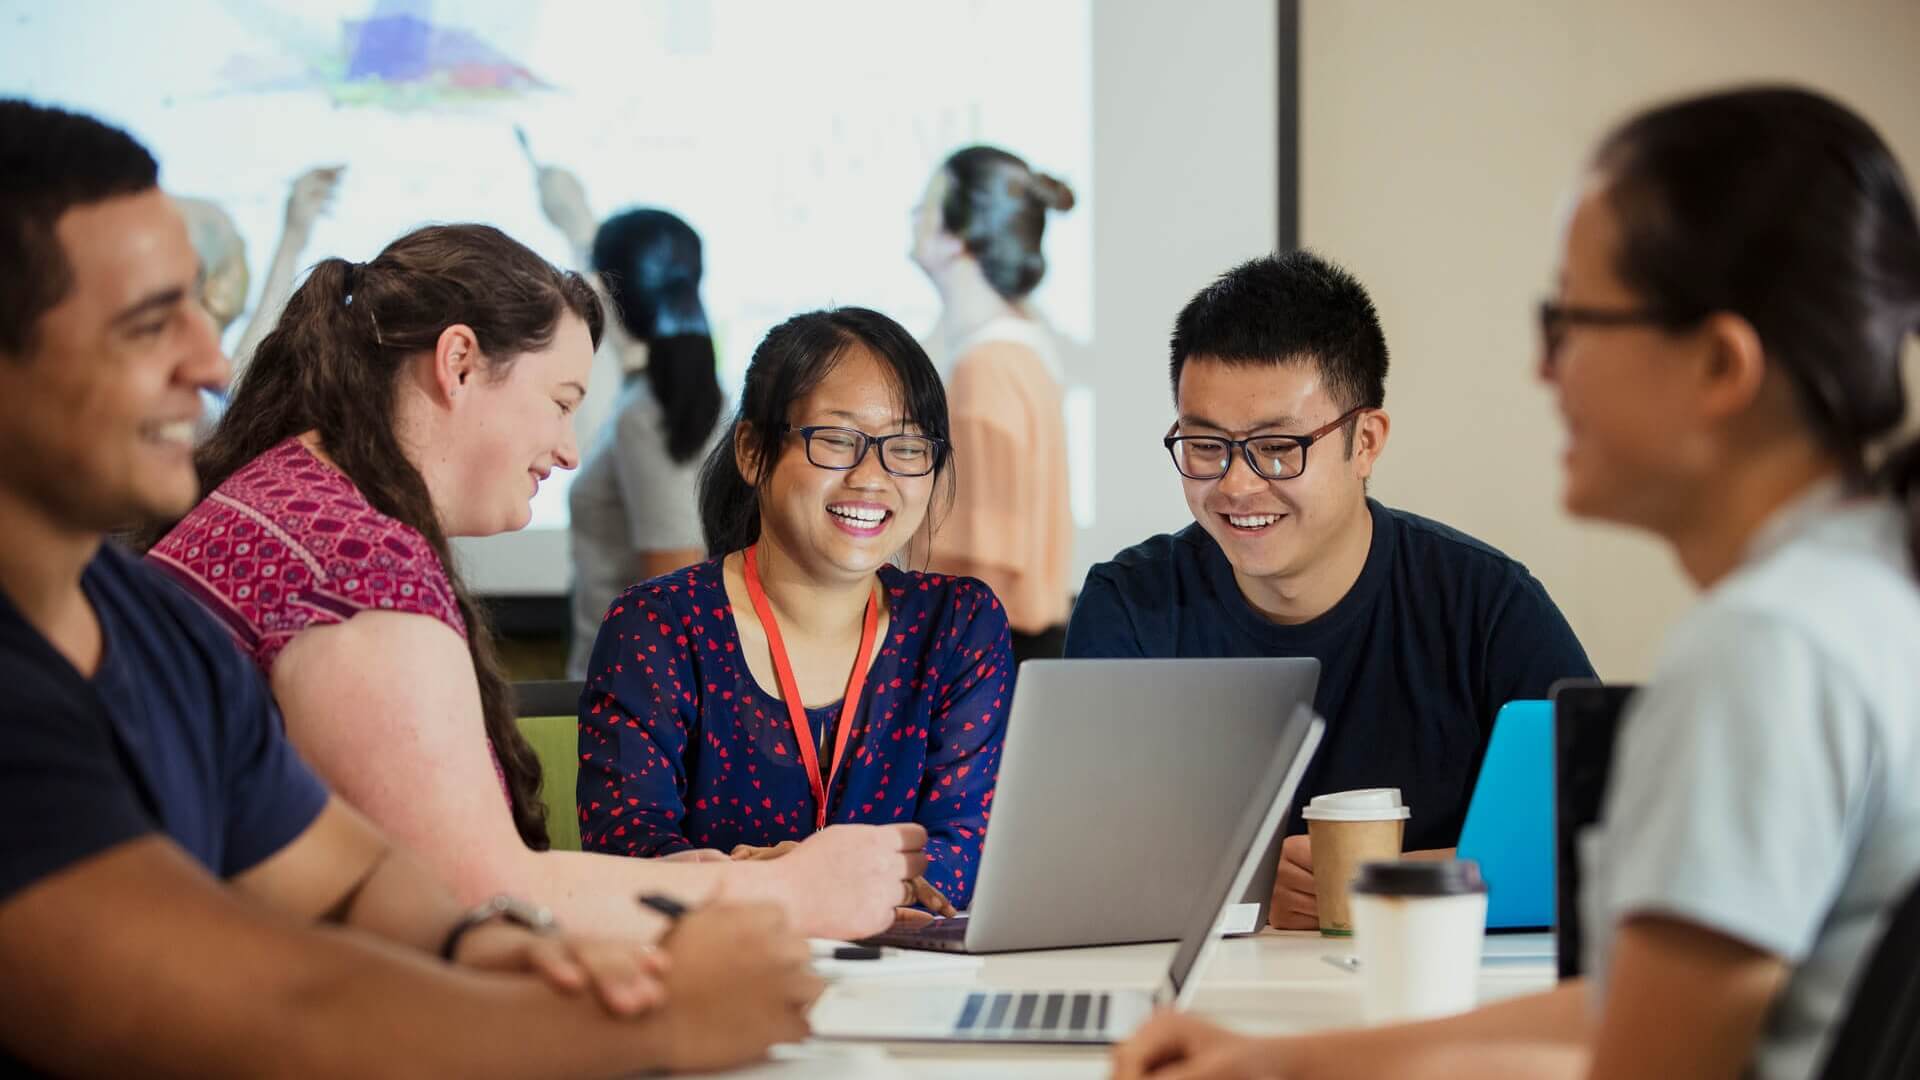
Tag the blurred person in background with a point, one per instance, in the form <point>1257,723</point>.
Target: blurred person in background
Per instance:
<point>633,505</point>
<point>977,235</point>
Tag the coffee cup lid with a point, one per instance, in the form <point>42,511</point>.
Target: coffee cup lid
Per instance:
<point>1419,877</point>
<point>1365,804</point>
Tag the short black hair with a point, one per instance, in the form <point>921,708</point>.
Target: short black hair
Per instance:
<point>50,162</point>
<point>1282,309</point>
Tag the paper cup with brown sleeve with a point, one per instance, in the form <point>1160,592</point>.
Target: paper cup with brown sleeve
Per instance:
<point>1348,828</point>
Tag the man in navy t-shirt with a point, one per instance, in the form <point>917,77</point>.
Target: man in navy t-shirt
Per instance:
<point>1423,633</point>
<point>178,893</point>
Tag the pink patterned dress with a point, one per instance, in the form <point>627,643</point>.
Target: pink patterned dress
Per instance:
<point>287,542</point>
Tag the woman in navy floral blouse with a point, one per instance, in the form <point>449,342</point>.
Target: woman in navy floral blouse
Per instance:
<point>686,738</point>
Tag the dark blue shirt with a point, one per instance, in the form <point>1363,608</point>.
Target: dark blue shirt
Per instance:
<point>1438,633</point>
<point>175,734</point>
<point>681,748</point>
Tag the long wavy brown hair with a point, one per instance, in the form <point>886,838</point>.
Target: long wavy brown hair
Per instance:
<point>332,366</point>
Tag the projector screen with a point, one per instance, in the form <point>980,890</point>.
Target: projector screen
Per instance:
<point>795,137</point>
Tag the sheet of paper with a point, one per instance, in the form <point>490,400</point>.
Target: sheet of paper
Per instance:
<point>827,1061</point>
<point>1241,919</point>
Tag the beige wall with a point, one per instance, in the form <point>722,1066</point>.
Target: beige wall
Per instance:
<point>1437,140</point>
<point>1173,84</point>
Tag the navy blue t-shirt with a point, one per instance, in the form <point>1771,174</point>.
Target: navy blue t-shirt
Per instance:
<point>175,734</point>
<point>1438,633</point>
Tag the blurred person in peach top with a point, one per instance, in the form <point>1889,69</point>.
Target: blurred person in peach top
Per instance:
<point>977,232</point>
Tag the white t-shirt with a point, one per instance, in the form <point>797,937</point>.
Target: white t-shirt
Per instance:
<point>630,497</point>
<point>1766,782</point>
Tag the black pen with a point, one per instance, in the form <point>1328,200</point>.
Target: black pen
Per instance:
<point>834,950</point>
<point>673,909</point>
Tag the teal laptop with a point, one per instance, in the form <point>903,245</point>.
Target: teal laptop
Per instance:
<point>1509,826</point>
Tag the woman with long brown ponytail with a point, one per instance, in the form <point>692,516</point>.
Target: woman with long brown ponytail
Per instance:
<point>423,395</point>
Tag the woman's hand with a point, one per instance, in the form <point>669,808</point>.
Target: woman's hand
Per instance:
<point>924,904</point>
<point>625,975</point>
<point>915,894</point>
<point>564,200</point>
<point>750,853</point>
<point>845,881</point>
<point>1176,1044</point>
<point>705,854</point>
<point>922,894</point>
<point>311,196</point>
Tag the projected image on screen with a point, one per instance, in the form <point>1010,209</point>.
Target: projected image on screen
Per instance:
<point>795,137</point>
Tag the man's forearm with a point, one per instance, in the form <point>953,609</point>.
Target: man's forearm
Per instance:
<point>412,1015</point>
<point>137,963</point>
<point>344,1005</point>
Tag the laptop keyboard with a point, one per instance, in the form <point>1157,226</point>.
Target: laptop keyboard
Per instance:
<point>947,935</point>
<point>1032,1015</point>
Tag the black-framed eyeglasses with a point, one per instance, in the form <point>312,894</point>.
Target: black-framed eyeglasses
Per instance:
<point>1555,318</point>
<point>841,448</point>
<point>1276,457</point>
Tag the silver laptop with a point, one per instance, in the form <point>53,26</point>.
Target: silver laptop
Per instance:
<point>1119,778</point>
<point>963,1014</point>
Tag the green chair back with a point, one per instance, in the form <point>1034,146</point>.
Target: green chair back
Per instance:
<point>547,719</point>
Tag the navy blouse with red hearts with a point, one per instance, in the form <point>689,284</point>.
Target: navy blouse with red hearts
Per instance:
<point>680,748</point>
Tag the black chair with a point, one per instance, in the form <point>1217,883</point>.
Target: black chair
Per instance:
<point>546,697</point>
<point>1586,717</point>
<point>1879,1038</point>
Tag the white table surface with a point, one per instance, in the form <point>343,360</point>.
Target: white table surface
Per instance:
<point>1271,983</point>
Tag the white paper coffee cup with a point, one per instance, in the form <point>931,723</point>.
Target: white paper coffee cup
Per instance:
<point>1417,929</point>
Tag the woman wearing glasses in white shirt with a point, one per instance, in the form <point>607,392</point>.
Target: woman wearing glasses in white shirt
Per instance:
<point>1738,278</point>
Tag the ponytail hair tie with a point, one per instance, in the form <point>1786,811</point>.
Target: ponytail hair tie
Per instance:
<point>350,285</point>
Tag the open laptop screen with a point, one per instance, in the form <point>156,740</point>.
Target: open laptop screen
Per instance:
<point>1509,824</point>
<point>1265,817</point>
<point>1586,717</point>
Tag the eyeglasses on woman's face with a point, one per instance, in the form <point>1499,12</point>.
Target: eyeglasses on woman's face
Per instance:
<point>841,449</point>
<point>1555,319</point>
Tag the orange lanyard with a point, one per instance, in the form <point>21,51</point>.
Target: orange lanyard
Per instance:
<point>790,689</point>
